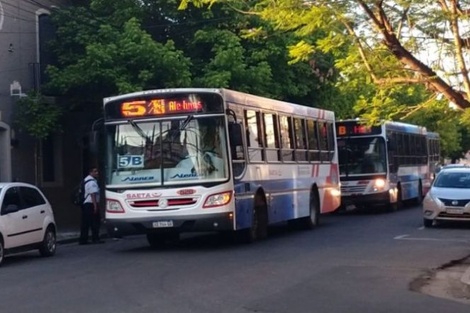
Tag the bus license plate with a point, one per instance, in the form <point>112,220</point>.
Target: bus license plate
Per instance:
<point>454,211</point>
<point>161,224</point>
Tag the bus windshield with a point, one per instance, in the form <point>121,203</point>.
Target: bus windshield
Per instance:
<point>362,155</point>
<point>190,149</point>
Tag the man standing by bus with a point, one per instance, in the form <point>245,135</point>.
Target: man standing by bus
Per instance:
<point>90,209</point>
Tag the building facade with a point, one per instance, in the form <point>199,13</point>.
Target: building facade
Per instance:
<point>56,164</point>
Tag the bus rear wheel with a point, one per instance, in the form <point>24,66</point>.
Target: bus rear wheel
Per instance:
<point>312,220</point>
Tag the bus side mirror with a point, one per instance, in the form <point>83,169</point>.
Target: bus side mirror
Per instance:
<point>235,134</point>
<point>94,142</point>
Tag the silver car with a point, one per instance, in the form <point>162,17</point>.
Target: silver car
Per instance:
<point>449,197</point>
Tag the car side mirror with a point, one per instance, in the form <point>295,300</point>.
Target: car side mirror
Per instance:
<point>11,208</point>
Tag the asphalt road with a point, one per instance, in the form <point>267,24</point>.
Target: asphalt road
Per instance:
<point>352,263</point>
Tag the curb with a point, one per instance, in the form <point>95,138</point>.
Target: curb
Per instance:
<point>71,238</point>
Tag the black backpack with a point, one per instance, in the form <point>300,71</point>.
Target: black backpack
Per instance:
<point>78,195</point>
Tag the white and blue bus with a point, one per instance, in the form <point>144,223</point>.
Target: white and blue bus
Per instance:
<point>193,159</point>
<point>384,165</point>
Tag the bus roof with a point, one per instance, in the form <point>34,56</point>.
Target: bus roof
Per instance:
<point>395,126</point>
<point>239,98</point>
<point>433,135</point>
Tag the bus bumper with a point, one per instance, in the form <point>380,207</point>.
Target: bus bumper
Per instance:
<point>366,200</point>
<point>194,223</point>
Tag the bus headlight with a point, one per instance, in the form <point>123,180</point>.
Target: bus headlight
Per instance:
<point>218,199</point>
<point>113,206</point>
<point>335,192</point>
<point>379,184</point>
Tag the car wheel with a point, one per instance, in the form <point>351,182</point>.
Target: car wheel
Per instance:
<point>427,223</point>
<point>2,252</point>
<point>49,243</point>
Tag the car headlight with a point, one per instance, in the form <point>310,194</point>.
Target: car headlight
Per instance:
<point>433,198</point>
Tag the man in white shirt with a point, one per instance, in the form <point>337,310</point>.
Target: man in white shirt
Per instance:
<point>90,209</point>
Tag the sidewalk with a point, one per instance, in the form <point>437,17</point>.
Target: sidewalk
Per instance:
<point>466,280</point>
<point>65,236</point>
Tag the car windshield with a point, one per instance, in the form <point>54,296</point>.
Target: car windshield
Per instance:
<point>167,152</point>
<point>362,155</point>
<point>452,180</point>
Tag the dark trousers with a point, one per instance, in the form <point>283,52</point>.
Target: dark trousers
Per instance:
<point>89,220</point>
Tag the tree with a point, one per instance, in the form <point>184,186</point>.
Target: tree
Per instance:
<point>383,49</point>
<point>110,47</point>
<point>39,118</point>
<point>102,54</point>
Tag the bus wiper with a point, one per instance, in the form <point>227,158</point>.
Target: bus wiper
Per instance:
<point>186,122</point>
<point>140,131</point>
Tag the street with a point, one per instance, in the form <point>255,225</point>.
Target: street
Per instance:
<point>361,262</point>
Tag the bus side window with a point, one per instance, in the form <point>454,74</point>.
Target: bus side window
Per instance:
<point>331,141</point>
<point>300,140</point>
<point>286,138</point>
<point>323,140</point>
<point>271,135</point>
<point>253,139</point>
<point>314,154</point>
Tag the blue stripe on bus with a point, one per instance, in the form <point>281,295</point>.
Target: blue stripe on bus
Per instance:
<point>281,206</point>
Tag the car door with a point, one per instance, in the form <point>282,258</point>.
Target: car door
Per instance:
<point>13,219</point>
<point>35,207</point>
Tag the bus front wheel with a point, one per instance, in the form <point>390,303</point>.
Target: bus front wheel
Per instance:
<point>395,206</point>
<point>259,226</point>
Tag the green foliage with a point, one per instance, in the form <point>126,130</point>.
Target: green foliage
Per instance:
<point>104,57</point>
<point>114,47</point>
<point>36,116</point>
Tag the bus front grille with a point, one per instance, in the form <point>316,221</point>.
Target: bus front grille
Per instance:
<point>168,204</point>
<point>353,189</point>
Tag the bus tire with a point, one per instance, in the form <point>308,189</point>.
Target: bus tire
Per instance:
<point>313,219</point>
<point>398,205</point>
<point>259,226</point>
<point>419,198</point>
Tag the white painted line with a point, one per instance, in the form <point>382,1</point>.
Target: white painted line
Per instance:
<point>401,237</point>
<point>405,237</point>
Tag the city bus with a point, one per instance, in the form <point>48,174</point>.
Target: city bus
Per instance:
<point>385,165</point>
<point>198,160</point>
<point>434,156</point>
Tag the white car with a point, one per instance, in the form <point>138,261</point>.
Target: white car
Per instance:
<point>26,220</point>
<point>449,197</point>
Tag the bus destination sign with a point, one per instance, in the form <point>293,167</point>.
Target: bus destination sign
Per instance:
<point>152,107</point>
<point>354,129</point>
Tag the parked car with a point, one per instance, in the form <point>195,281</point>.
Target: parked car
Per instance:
<point>449,197</point>
<point>26,220</point>
<point>452,165</point>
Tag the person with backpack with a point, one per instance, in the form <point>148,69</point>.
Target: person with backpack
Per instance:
<point>90,217</point>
